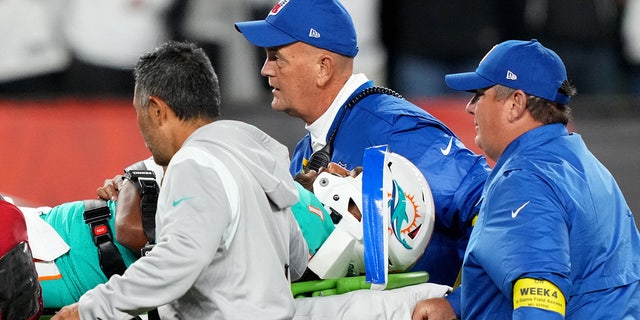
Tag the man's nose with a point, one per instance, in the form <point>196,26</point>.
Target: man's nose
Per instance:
<point>471,106</point>
<point>266,70</point>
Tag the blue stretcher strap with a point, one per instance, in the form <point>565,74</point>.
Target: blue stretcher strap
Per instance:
<point>375,255</point>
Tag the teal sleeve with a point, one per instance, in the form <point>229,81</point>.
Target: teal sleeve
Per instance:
<point>80,267</point>
<point>313,219</point>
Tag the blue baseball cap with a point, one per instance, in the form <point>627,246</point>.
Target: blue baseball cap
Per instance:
<point>324,24</point>
<point>524,65</point>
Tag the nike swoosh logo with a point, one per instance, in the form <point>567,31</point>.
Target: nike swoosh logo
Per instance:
<point>177,202</point>
<point>445,151</point>
<point>515,213</point>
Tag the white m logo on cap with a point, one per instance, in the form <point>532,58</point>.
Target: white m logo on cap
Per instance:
<point>511,75</point>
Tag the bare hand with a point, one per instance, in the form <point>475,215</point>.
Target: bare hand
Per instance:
<point>306,179</point>
<point>433,309</point>
<point>109,191</point>
<point>69,312</point>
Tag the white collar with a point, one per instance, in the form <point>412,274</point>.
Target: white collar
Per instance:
<point>320,128</point>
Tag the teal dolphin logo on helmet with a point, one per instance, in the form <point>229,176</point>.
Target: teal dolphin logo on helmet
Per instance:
<point>398,208</point>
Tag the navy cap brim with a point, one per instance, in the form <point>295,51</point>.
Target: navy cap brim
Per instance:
<point>262,34</point>
<point>467,81</point>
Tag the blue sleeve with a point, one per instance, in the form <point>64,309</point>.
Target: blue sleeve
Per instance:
<point>527,231</point>
<point>455,174</point>
<point>526,313</point>
<point>454,300</point>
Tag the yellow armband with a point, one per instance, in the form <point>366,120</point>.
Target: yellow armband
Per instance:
<point>538,293</point>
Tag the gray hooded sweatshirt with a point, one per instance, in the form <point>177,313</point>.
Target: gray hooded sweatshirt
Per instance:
<point>227,243</point>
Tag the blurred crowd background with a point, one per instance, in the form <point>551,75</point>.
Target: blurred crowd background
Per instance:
<point>87,47</point>
<point>85,50</point>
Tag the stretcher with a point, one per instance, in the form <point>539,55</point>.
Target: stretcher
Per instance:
<point>366,304</point>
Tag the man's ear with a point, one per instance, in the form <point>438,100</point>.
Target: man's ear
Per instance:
<point>158,110</point>
<point>518,105</point>
<point>326,68</point>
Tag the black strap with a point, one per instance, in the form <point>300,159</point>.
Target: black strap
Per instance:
<point>145,182</point>
<point>96,215</point>
<point>149,191</point>
<point>153,314</point>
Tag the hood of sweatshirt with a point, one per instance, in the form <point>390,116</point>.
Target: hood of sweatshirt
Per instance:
<point>266,158</point>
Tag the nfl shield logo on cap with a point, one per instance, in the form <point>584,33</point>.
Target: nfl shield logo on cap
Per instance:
<point>325,24</point>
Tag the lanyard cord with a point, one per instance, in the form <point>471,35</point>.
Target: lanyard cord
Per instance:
<point>322,157</point>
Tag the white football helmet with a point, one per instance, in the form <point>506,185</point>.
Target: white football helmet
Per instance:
<point>411,219</point>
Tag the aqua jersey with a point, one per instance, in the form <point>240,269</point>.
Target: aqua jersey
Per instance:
<point>79,267</point>
<point>314,221</point>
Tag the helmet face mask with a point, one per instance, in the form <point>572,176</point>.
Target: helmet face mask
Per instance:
<point>408,203</point>
<point>340,193</point>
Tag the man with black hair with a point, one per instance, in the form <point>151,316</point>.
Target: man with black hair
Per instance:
<point>221,251</point>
